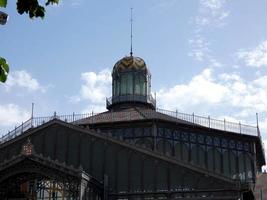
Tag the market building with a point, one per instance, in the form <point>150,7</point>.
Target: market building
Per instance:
<point>134,150</point>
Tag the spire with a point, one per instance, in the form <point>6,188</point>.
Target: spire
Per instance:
<point>131,53</point>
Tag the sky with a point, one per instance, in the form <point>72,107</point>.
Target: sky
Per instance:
<point>207,57</point>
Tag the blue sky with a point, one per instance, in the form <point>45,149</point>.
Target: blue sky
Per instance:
<point>206,56</point>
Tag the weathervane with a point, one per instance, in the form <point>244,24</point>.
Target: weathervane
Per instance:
<point>131,53</point>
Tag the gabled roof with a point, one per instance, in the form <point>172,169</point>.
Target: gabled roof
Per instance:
<point>145,152</point>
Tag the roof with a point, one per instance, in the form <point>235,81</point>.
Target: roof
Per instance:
<point>130,63</point>
<point>129,114</point>
<point>137,149</point>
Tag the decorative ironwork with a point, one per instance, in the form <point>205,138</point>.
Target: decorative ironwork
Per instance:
<point>36,177</point>
<point>27,149</point>
<point>128,116</point>
<point>131,98</point>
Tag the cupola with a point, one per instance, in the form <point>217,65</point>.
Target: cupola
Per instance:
<point>131,84</point>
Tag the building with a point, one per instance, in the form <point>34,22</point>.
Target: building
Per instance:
<point>132,151</point>
<point>260,190</point>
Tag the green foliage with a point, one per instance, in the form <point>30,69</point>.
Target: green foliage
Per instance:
<point>3,3</point>
<point>4,69</point>
<point>34,9</point>
<point>31,7</point>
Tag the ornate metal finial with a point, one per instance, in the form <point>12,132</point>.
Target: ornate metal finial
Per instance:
<point>131,53</point>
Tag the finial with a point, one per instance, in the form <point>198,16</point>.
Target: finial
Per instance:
<point>131,53</point>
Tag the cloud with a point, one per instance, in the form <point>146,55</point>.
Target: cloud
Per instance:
<point>199,48</point>
<point>211,12</point>
<point>11,114</point>
<point>221,93</point>
<point>24,80</point>
<point>206,93</point>
<point>94,89</point>
<point>255,57</point>
<point>96,86</point>
<point>202,89</point>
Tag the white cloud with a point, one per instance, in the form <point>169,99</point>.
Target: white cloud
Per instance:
<point>94,89</point>
<point>23,79</point>
<point>226,91</point>
<point>202,89</point>
<point>11,114</point>
<point>221,94</point>
<point>212,4</point>
<point>199,48</point>
<point>255,57</point>
<point>211,12</point>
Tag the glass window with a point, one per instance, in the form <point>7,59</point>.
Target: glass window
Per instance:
<point>117,83</point>
<point>201,154</point>
<point>217,157</point>
<point>248,166</point>
<point>123,84</point>
<point>233,165</point>
<point>226,169</point>
<point>178,150</point>
<point>210,158</point>
<point>142,85</point>
<point>137,84</point>
<point>241,166</point>
<point>129,84</point>
<point>185,150</point>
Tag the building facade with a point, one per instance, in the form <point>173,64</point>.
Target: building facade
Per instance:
<point>132,151</point>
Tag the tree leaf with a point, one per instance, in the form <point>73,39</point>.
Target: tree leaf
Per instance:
<point>4,69</point>
<point>3,3</point>
<point>3,77</point>
<point>51,2</point>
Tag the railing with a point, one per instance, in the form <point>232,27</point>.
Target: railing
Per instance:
<point>213,123</point>
<point>128,116</point>
<point>131,98</point>
<point>37,121</point>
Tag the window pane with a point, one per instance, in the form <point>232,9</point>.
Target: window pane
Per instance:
<point>142,85</point>
<point>137,84</point>
<point>117,87</point>
<point>129,84</point>
<point>123,84</point>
